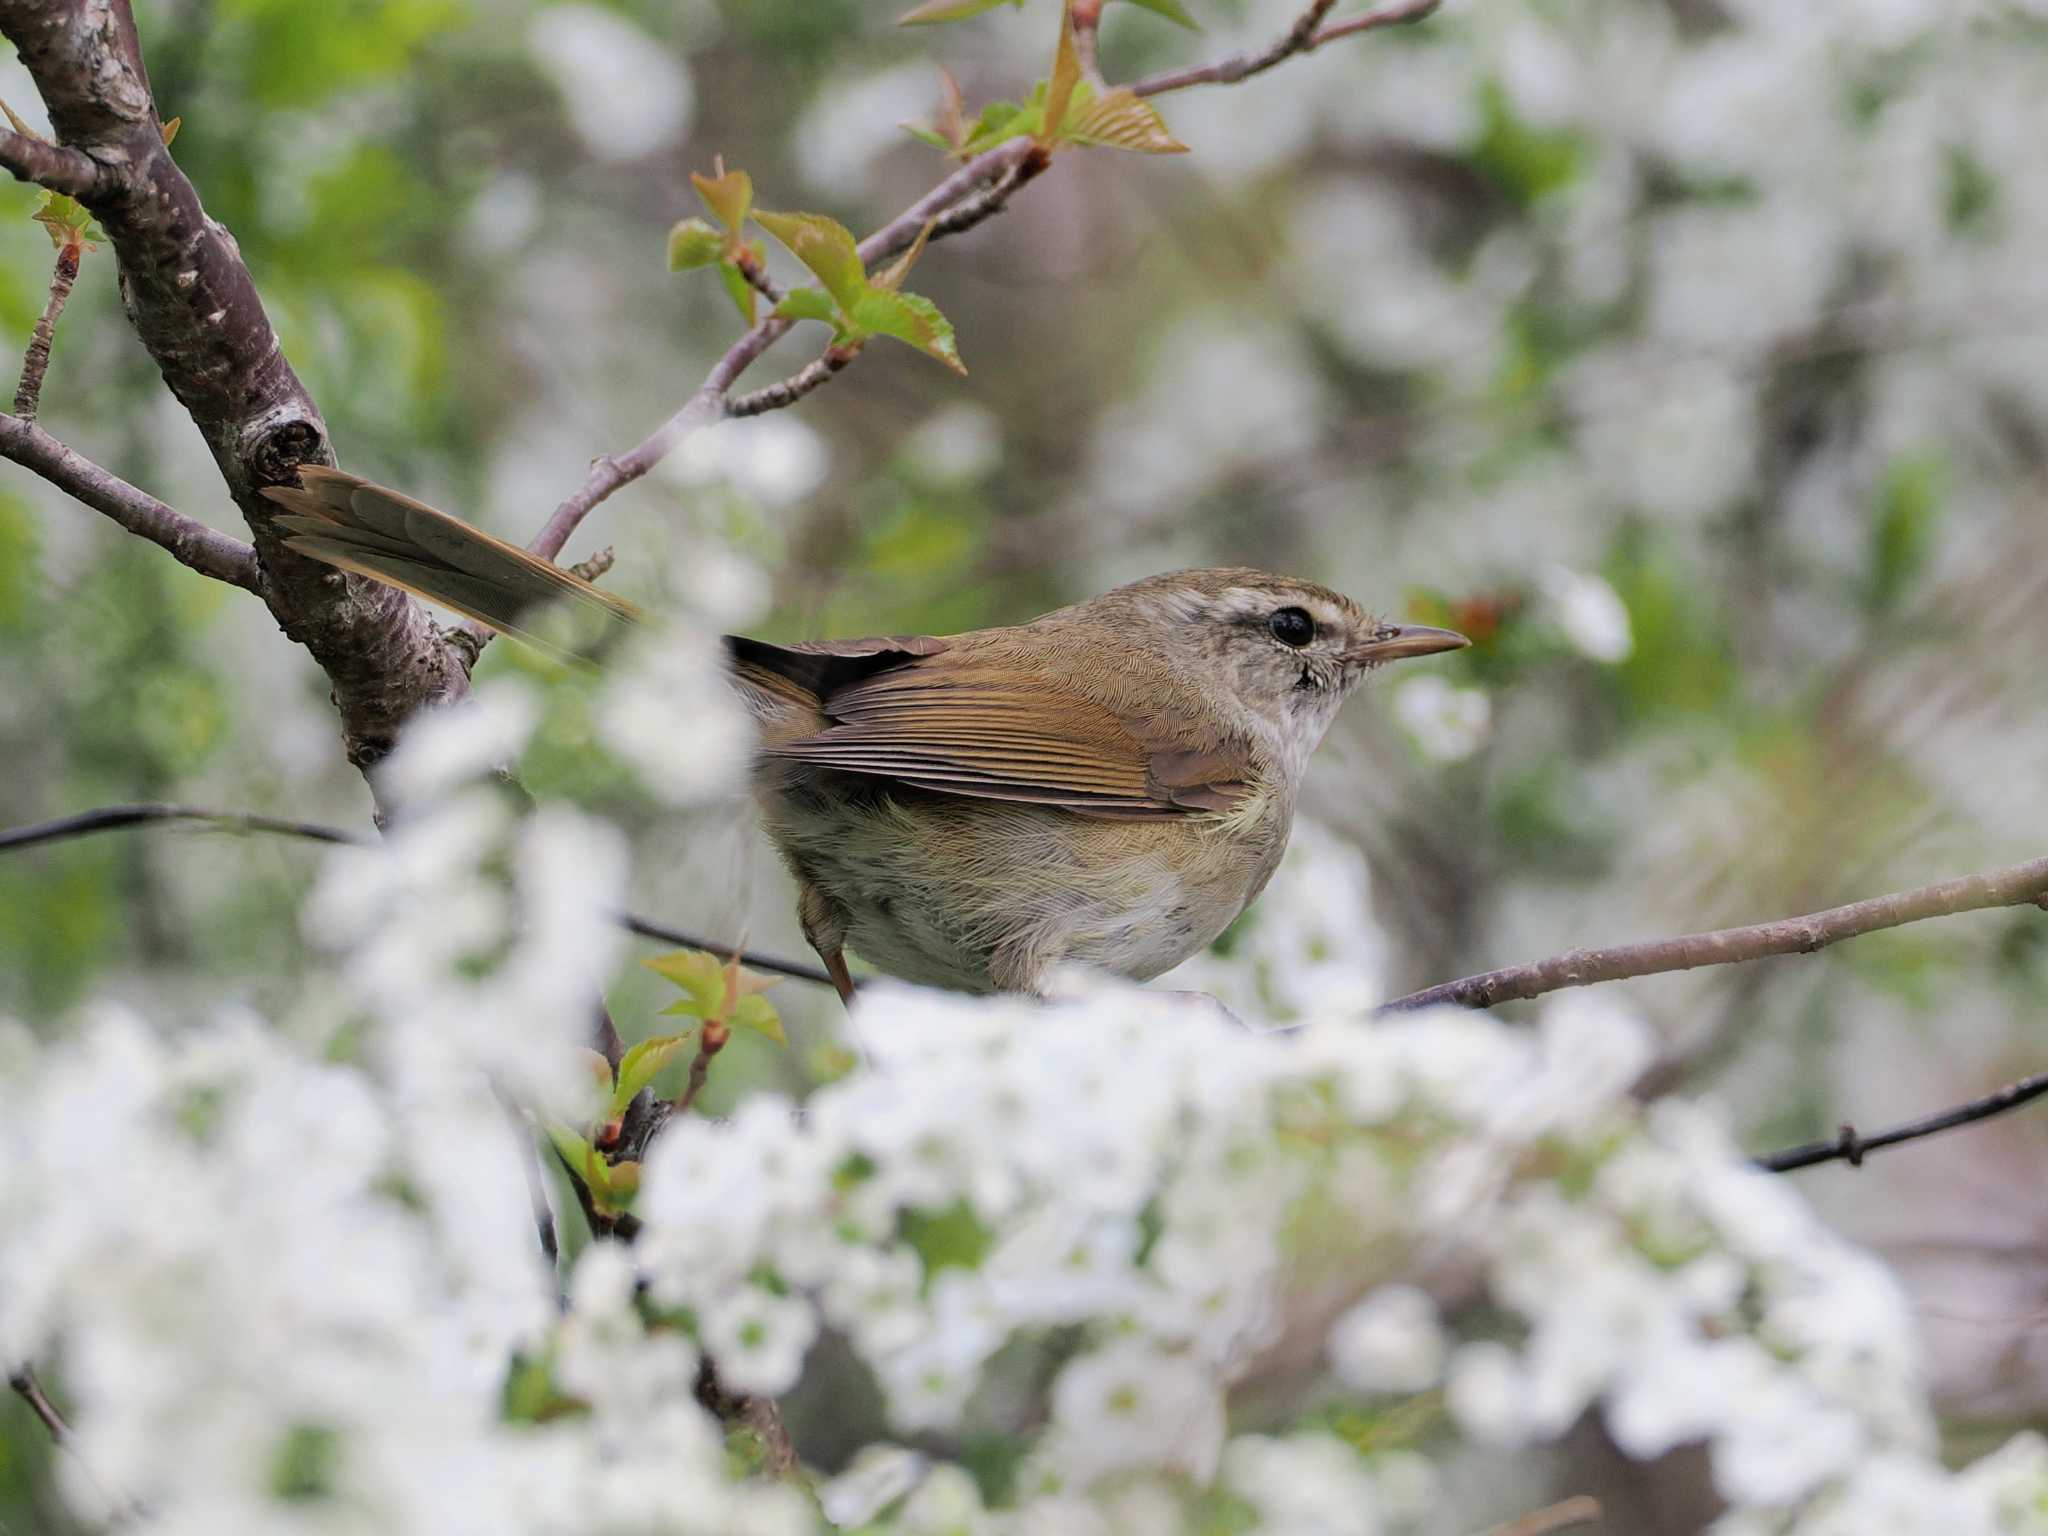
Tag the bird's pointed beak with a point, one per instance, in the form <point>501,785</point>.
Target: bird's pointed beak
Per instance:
<point>1397,642</point>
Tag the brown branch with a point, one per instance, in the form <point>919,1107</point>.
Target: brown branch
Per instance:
<point>613,472</point>
<point>758,279</point>
<point>759,1414</point>
<point>792,389</point>
<point>2016,885</point>
<point>1849,1147</point>
<point>195,308</point>
<point>48,165</point>
<point>189,541</point>
<point>28,394</point>
<point>976,191</point>
<point>709,1044</point>
<point>1305,36</point>
<point>1548,1521</point>
<point>23,1380</point>
<point>898,235</point>
<point>1087,19</point>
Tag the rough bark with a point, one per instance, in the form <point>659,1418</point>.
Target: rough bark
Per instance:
<point>196,310</point>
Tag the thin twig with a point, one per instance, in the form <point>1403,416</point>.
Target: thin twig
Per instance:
<point>109,818</point>
<point>1566,1515</point>
<point>709,1044</point>
<point>1851,1148</point>
<point>795,970</point>
<point>58,167</point>
<point>1087,19</point>
<point>613,472</point>
<point>536,1189</point>
<point>2016,885</point>
<point>1305,36</point>
<point>792,389</point>
<point>759,1414</point>
<point>190,542</point>
<point>114,817</point>
<point>976,191</point>
<point>758,279</point>
<point>986,169</point>
<point>23,1379</point>
<point>28,393</point>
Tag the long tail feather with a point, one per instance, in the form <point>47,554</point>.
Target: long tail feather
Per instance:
<point>357,526</point>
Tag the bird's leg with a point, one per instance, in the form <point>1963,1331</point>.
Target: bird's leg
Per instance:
<point>824,927</point>
<point>835,967</point>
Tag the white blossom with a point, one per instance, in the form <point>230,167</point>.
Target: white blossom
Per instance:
<point>1447,722</point>
<point>624,93</point>
<point>1390,1342</point>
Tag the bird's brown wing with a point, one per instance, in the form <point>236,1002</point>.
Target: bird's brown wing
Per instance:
<point>348,522</point>
<point>911,710</point>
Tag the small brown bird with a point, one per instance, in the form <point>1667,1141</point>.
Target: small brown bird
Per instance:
<point>1108,785</point>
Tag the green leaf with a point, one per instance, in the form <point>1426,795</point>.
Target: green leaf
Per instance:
<point>808,304</point>
<point>1172,10</point>
<point>640,1065</point>
<point>1066,74</point>
<point>729,195</point>
<point>825,246</point>
<point>740,291</point>
<point>305,1465</point>
<point>910,318</point>
<point>953,1238</point>
<point>622,1183</point>
<point>934,11</point>
<point>758,1014</point>
<point>999,122</point>
<point>529,1391</point>
<point>891,277</point>
<point>701,976</point>
<point>692,244</point>
<point>1121,120</point>
<point>572,1148</point>
<point>1909,502</point>
<point>931,136</point>
<point>67,221</point>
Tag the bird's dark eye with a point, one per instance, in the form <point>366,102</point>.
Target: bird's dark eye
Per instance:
<point>1292,626</point>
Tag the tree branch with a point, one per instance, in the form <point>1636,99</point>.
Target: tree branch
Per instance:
<point>613,472</point>
<point>792,389</point>
<point>196,310</point>
<point>1568,1515</point>
<point>28,394</point>
<point>47,165</point>
<point>1849,1147</point>
<point>1305,36</point>
<point>23,1380</point>
<point>189,541</point>
<point>976,191</point>
<point>2016,885</point>
<point>110,818</point>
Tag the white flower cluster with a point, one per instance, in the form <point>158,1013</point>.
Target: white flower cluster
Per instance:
<point>280,1297</point>
<point>277,1286</point>
<point>288,1278</point>
<point>1190,1195</point>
